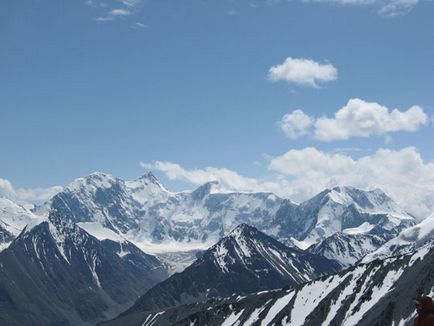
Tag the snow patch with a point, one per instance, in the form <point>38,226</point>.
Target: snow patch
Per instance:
<point>277,307</point>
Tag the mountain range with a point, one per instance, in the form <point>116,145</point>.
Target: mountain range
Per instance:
<point>244,261</point>
<point>103,243</point>
<point>144,212</point>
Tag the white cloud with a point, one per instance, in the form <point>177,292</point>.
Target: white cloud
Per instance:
<point>26,195</point>
<point>395,8</point>
<point>402,174</point>
<point>301,174</point>
<point>311,163</point>
<point>114,14</point>
<point>303,72</point>
<point>359,118</point>
<point>296,124</point>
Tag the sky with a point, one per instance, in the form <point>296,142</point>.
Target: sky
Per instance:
<point>262,95</point>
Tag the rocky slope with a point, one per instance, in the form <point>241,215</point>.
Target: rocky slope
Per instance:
<point>377,293</point>
<point>245,261</point>
<point>56,273</point>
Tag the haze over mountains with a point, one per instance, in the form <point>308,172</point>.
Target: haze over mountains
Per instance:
<point>113,241</point>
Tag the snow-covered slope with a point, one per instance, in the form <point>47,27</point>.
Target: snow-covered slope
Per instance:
<point>408,241</point>
<point>378,293</point>
<point>245,261</point>
<point>13,219</point>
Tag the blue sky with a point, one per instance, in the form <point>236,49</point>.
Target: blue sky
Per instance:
<point>185,88</point>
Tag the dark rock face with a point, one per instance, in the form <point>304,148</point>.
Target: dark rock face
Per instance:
<point>57,274</point>
<point>245,261</point>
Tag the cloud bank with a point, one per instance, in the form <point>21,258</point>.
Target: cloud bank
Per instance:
<point>301,174</point>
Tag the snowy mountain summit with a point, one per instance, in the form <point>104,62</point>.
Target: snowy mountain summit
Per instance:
<point>347,208</point>
<point>145,212</point>
<point>246,245</point>
<point>158,220</point>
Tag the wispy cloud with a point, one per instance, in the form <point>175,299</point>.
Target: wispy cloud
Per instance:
<point>395,8</point>
<point>131,3</point>
<point>140,25</point>
<point>110,10</point>
<point>386,8</point>
<point>358,118</point>
<point>114,13</point>
<point>26,195</point>
<point>95,4</point>
<point>303,72</point>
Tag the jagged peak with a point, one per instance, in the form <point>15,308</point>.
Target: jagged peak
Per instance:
<point>148,178</point>
<point>243,232</point>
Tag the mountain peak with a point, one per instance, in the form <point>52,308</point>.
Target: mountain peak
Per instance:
<point>147,180</point>
<point>149,176</point>
<point>243,230</point>
<point>347,195</point>
<point>95,179</point>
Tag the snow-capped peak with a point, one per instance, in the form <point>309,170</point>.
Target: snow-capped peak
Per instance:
<point>367,201</point>
<point>148,179</point>
<point>95,180</point>
<point>340,208</point>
